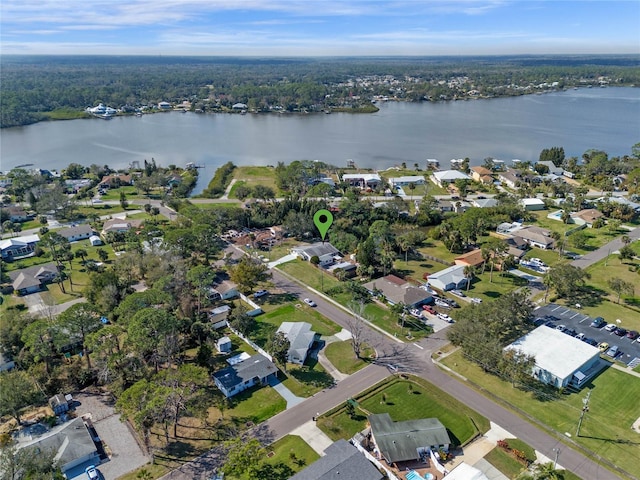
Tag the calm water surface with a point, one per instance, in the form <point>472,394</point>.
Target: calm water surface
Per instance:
<point>506,128</point>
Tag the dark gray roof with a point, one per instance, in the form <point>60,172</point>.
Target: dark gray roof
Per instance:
<point>341,461</point>
<point>255,366</point>
<point>399,441</point>
<point>318,249</point>
<point>405,293</point>
<point>70,443</point>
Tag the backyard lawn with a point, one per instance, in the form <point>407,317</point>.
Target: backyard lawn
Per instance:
<point>252,176</point>
<point>408,399</point>
<point>482,288</point>
<point>308,379</point>
<point>606,429</point>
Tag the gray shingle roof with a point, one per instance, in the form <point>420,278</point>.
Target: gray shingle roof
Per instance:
<point>255,366</point>
<point>341,461</point>
<point>399,441</point>
<point>70,232</point>
<point>300,336</point>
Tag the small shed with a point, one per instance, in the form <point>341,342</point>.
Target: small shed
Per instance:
<point>95,240</point>
<point>223,345</point>
<point>59,404</point>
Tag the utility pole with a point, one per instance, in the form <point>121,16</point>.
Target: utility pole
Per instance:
<point>585,409</point>
<point>555,462</point>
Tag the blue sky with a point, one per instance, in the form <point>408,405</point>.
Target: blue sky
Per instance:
<point>318,27</point>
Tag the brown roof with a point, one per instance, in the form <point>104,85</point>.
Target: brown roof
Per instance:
<point>123,178</point>
<point>472,258</point>
<point>589,215</point>
<point>481,170</point>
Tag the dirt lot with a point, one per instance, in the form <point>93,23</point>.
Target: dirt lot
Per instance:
<point>125,452</point>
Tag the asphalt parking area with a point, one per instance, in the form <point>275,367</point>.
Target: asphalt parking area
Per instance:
<point>581,323</point>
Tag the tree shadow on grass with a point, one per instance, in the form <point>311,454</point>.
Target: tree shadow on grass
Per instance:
<point>281,298</point>
<point>492,294</point>
<point>179,449</point>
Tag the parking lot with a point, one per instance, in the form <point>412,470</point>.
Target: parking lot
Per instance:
<point>581,323</point>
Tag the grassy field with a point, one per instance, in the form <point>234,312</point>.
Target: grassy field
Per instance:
<point>601,274</point>
<point>482,288</point>
<point>252,176</point>
<point>309,275</point>
<point>307,380</point>
<point>256,405</point>
<point>606,429</point>
<point>406,400</point>
<point>341,356</point>
<point>504,462</point>
<point>302,313</point>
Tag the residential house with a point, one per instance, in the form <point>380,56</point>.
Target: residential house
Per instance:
<point>218,316</point>
<point>255,370</point>
<point>119,225</point>
<point>340,461</point>
<point>532,204</point>
<point>32,279</point>
<point>444,178</point>
<point>558,171</point>
<point>73,446</point>
<point>407,180</point>
<point>482,175</point>
<point>448,279</point>
<point>300,337</point>
<point>19,247</point>
<point>223,289</point>
<point>586,217</point>
<point>239,106</point>
<point>164,106</point>
<point>17,214</point>
<point>396,290</point>
<point>517,247</point>
<point>484,202</point>
<point>621,201</point>
<point>507,228</point>
<point>77,232</point>
<point>362,180</point>
<point>536,237</point>
<point>348,269</point>
<point>470,259</point>
<point>326,253</point>
<point>445,205</point>
<point>460,206</point>
<point>406,441</point>
<point>510,178</point>
<point>224,345</point>
<point>115,181</point>
<point>560,359</point>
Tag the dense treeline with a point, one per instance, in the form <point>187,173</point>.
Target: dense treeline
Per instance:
<point>33,86</point>
<point>220,180</point>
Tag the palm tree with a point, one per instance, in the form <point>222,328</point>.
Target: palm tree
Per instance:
<point>469,273</point>
<point>82,254</point>
<point>626,239</point>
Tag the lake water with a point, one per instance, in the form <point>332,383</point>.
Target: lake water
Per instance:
<point>518,127</point>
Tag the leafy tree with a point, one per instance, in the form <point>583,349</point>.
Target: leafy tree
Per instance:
<point>619,286</point>
<point>579,239</point>
<point>553,154</point>
<point>243,457</point>
<point>74,171</point>
<point>626,253</point>
<point>82,254</point>
<point>566,279</point>
<point>123,200</point>
<point>241,322</point>
<point>17,391</point>
<point>102,254</point>
<point>38,339</point>
<point>248,273</point>
<point>278,346</point>
<point>153,335</point>
<point>517,366</point>
<point>25,464</point>
<point>76,323</point>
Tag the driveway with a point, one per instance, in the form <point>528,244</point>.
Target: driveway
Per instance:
<point>597,255</point>
<point>120,442</point>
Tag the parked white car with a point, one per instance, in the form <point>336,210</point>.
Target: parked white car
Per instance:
<point>611,327</point>
<point>445,317</point>
<point>309,302</point>
<point>441,303</point>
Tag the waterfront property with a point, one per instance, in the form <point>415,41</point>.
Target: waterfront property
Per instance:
<point>407,180</point>
<point>444,178</point>
<point>362,180</point>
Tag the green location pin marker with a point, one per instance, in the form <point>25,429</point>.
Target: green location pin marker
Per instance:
<point>323,220</point>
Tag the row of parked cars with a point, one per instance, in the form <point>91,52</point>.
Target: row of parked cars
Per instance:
<point>598,323</point>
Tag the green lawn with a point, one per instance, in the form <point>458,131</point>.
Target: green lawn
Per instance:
<point>309,275</point>
<point>307,380</point>
<point>302,313</point>
<point>252,176</point>
<point>101,209</point>
<point>606,429</point>
<point>283,448</point>
<point>114,193</point>
<point>408,399</point>
<point>482,288</point>
<point>505,462</point>
<point>601,274</point>
<point>341,356</point>
<point>256,405</point>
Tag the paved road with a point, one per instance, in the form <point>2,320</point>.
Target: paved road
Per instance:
<point>411,358</point>
<point>597,255</point>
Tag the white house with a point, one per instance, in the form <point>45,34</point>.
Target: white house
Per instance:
<point>362,180</point>
<point>300,337</point>
<point>406,180</point>
<point>77,232</point>
<point>19,247</point>
<point>560,359</point>
<point>448,279</point>
<point>531,204</point>
<point>443,178</point>
<point>255,370</point>
<point>326,253</point>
